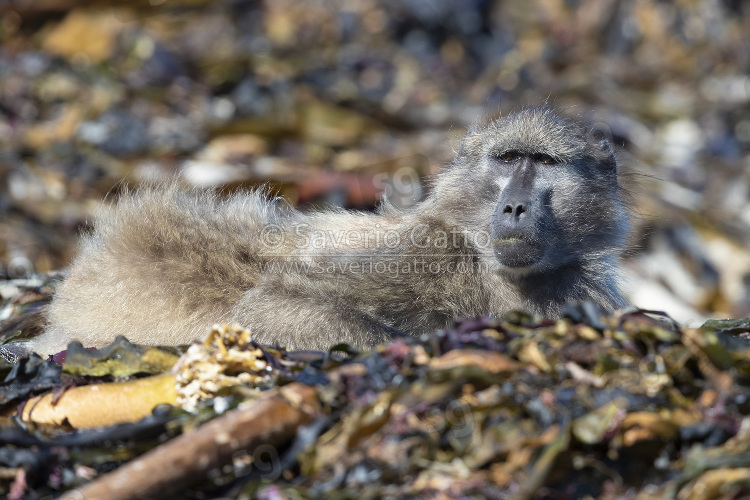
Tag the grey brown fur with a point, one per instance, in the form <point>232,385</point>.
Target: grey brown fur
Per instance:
<point>165,264</point>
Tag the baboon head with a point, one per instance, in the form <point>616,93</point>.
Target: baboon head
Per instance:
<point>543,188</point>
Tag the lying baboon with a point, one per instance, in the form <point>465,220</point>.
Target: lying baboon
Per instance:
<point>528,216</point>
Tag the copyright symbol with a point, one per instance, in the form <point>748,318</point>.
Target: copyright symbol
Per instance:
<point>272,236</point>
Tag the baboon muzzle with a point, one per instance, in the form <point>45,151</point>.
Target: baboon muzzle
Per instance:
<point>517,219</point>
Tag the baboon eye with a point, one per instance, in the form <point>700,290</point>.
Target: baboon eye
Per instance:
<point>546,159</point>
<point>508,156</point>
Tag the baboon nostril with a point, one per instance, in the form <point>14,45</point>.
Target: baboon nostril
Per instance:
<point>514,210</point>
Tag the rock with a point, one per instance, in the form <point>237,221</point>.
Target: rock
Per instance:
<point>332,125</point>
<point>117,132</point>
<point>84,36</point>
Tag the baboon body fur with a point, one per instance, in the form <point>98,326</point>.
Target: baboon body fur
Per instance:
<point>166,263</point>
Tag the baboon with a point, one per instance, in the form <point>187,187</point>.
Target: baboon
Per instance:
<point>529,215</point>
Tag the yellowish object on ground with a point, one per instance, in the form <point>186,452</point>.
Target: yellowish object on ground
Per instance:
<point>103,404</point>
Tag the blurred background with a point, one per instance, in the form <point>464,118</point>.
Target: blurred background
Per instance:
<point>341,101</point>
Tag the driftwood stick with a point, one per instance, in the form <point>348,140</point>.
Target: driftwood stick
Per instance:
<point>271,419</point>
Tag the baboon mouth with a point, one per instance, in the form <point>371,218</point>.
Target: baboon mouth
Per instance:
<point>517,252</point>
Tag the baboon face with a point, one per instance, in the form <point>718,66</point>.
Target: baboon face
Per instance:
<point>523,213</point>
<point>545,190</point>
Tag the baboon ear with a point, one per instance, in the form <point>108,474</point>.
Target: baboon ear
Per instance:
<point>600,136</point>
<point>600,140</point>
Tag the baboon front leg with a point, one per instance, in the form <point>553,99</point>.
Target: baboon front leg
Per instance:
<point>297,321</point>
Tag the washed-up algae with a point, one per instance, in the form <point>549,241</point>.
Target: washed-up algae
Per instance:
<point>628,406</point>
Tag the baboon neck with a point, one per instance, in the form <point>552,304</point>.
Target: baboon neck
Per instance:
<point>547,292</point>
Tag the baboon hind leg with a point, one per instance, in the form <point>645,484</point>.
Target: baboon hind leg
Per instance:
<point>296,321</point>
